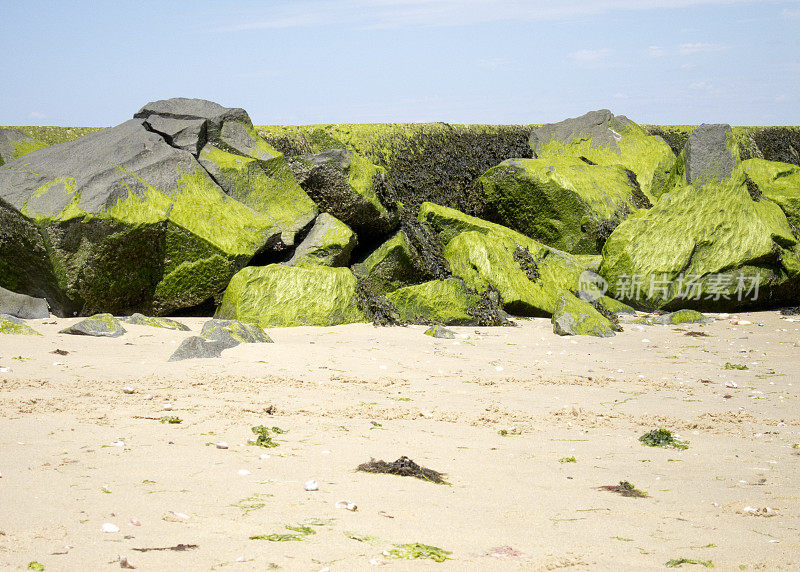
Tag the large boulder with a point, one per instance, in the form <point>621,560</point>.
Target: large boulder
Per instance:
<point>121,221</point>
<point>347,186</point>
<point>606,139</point>
<point>562,201</point>
<point>11,325</point>
<point>15,144</point>
<point>99,326</point>
<point>279,295</point>
<point>329,243</point>
<point>712,241</point>
<point>22,306</point>
<point>234,332</point>
<point>780,183</point>
<point>531,278</point>
<point>390,266</point>
<point>571,319</point>
<point>154,322</point>
<point>447,301</point>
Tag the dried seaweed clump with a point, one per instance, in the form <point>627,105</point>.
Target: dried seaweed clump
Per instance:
<point>625,489</point>
<point>662,438</point>
<point>403,467</point>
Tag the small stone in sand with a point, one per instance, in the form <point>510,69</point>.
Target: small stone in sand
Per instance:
<point>221,445</point>
<point>109,527</point>
<point>311,485</point>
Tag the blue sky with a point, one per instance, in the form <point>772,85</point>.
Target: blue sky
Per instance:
<point>466,61</point>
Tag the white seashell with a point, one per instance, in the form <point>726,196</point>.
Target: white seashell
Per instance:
<point>105,489</point>
<point>498,368</point>
<point>221,445</point>
<point>645,341</point>
<point>731,384</point>
<point>118,444</point>
<point>240,559</point>
<point>134,521</point>
<point>5,369</point>
<point>128,390</point>
<point>743,322</point>
<point>377,562</point>
<point>724,316</point>
<point>123,563</point>
<point>108,527</point>
<point>749,509</point>
<point>57,363</point>
<point>172,516</point>
<point>243,472</point>
<point>347,505</point>
<point>264,456</point>
<point>148,396</point>
<point>167,407</point>
<point>311,485</point>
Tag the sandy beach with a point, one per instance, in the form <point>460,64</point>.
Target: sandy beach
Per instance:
<point>526,425</point>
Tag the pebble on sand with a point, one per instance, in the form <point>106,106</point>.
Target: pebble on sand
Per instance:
<point>109,527</point>
<point>311,485</point>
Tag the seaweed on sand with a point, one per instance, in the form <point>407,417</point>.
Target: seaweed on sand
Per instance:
<point>416,550</point>
<point>403,467</point>
<point>625,489</point>
<point>662,438</point>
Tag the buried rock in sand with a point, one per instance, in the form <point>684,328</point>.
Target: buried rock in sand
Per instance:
<point>403,467</point>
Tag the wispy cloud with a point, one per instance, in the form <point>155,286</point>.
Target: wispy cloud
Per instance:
<point>36,115</point>
<point>437,13</point>
<point>689,49</point>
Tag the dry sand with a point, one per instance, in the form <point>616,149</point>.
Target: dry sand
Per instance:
<point>77,452</point>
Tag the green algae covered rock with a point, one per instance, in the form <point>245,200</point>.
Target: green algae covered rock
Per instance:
<point>99,325</point>
<point>779,182</point>
<point>561,201</point>
<point>605,139</point>
<point>329,243</point>
<point>155,322</point>
<point>574,317</point>
<point>611,306</point>
<point>266,186</point>
<point>437,331</point>
<point>15,144</point>
<point>122,221</point>
<point>447,302</point>
<point>390,266</point>
<point>234,332</point>
<point>347,186</point>
<point>683,317</point>
<point>9,325</point>
<point>531,278</point>
<point>279,295</point>
<point>709,242</point>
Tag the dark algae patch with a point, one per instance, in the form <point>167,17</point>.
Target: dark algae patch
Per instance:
<point>263,438</point>
<point>625,489</point>
<point>662,438</point>
<point>403,467</point>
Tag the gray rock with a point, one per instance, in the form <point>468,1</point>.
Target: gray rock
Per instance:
<point>234,332</point>
<point>15,326</point>
<point>329,243</point>
<point>22,306</point>
<point>197,347</point>
<point>13,319</point>
<point>185,108</point>
<point>440,332</point>
<point>167,323</point>
<point>601,126</point>
<point>187,134</point>
<point>99,325</point>
<point>346,186</point>
<point>237,137</point>
<point>14,144</point>
<point>707,154</point>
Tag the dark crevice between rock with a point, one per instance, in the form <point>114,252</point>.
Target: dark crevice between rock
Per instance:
<point>204,309</point>
<point>378,308</point>
<point>587,161</point>
<point>526,262</point>
<point>489,309</point>
<point>638,198</point>
<point>426,249</point>
<point>752,189</point>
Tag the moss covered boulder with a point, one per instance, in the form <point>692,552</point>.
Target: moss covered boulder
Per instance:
<point>532,279</point>
<point>446,301</point>
<point>13,326</point>
<point>780,183</point>
<point>573,318</point>
<point>99,326</point>
<point>329,243</point>
<point>349,187</point>
<point>154,322</point>
<point>712,241</point>
<point>390,266</point>
<point>279,295</point>
<point>121,221</point>
<point>15,144</point>
<point>234,332</point>
<point>561,200</point>
<point>603,138</point>
<point>682,317</point>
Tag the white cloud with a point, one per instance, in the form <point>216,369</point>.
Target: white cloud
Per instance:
<point>698,47</point>
<point>427,13</point>
<point>656,51</point>
<point>36,115</point>
<point>701,86</point>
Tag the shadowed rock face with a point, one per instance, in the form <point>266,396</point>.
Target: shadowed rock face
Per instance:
<point>126,219</point>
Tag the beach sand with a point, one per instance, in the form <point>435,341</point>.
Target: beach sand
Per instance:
<point>77,451</point>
